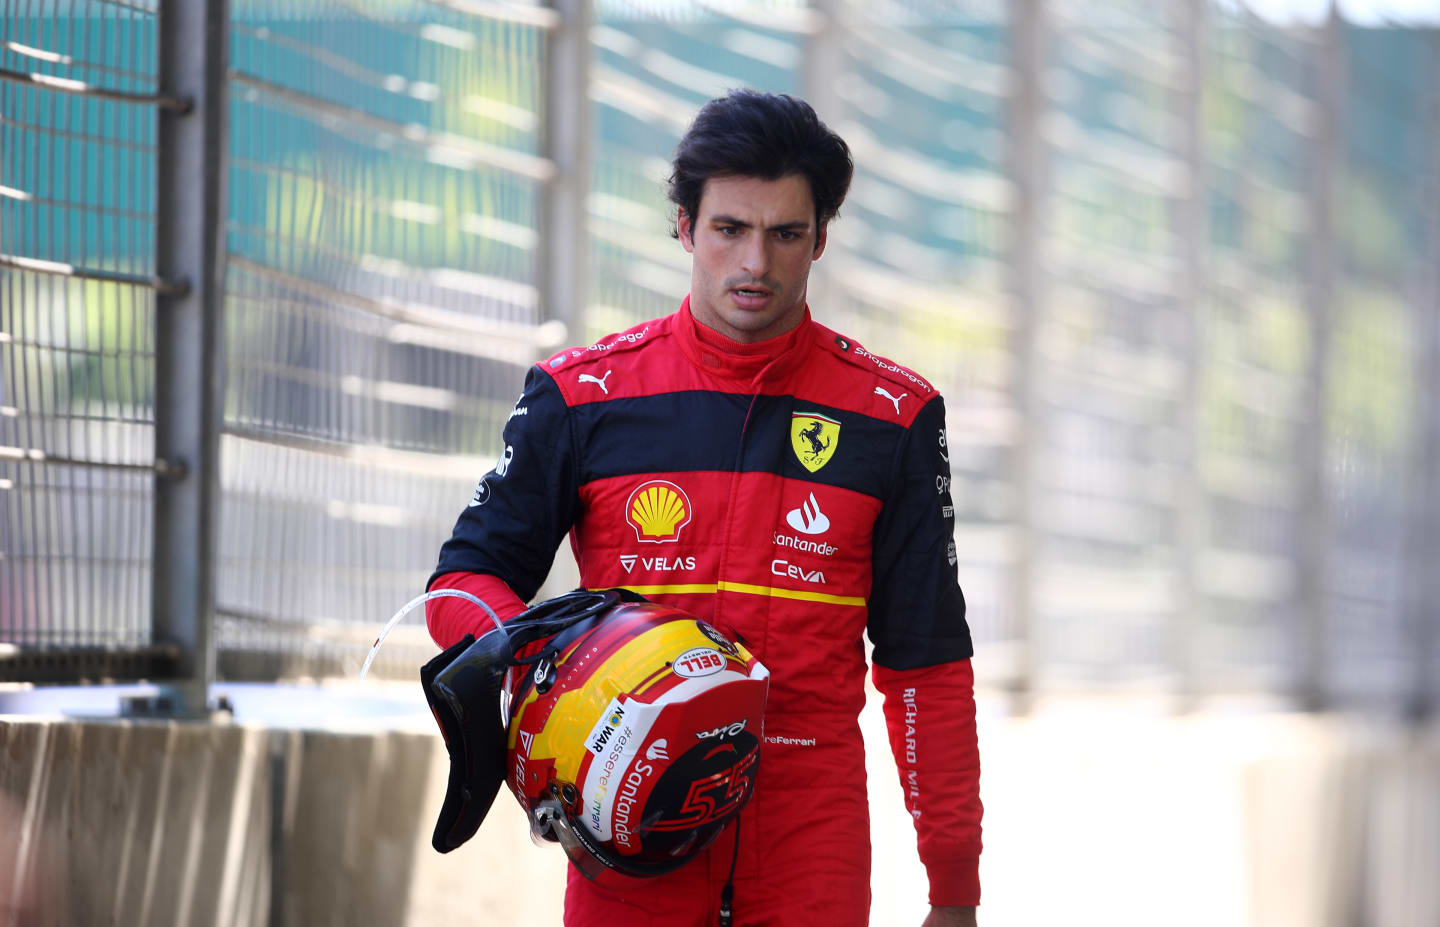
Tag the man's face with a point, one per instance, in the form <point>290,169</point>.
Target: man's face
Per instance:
<point>752,242</point>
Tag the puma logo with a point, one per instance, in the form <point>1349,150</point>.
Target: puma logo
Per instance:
<point>600,382</point>
<point>881,391</point>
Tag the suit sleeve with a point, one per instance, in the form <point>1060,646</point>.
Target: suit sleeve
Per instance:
<point>450,618</point>
<point>917,612</point>
<point>930,717</point>
<point>522,509</point>
<point>922,662</point>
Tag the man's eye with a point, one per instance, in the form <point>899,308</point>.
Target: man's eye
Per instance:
<point>729,230</point>
<point>788,235</point>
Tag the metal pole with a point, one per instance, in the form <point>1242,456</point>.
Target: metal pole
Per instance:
<point>1027,166</point>
<point>1423,601</point>
<point>1314,625</point>
<point>562,261</point>
<point>823,65</point>
<point>1192,233</point>
<point>189,380</point>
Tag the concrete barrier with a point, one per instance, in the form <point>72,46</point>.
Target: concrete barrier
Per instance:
<point>135,823</point>
<point>1093,817</point>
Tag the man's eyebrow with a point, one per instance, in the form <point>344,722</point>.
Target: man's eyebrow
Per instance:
<point>794,226</point>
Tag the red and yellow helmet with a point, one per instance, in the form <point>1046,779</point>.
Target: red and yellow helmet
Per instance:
<point>631,730</point>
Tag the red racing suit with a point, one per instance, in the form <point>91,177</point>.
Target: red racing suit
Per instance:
<point>797,492</point>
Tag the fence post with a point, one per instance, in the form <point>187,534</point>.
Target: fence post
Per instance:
<point>189,360</point>
<point>1313,625</point>
<point>562,259</point>
<point>1423,587</point>
<point>1027,286</point>
<point>1190,512</point>
<point>822,68</point>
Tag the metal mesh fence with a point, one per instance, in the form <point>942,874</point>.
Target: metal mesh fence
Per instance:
<point>381,304</point>
<point>1148,487</point>
<point>1174,268</point>
<point>916,271</point>
<point>77,204</point>
<point>1114,358</point>
<point>1379,392</point>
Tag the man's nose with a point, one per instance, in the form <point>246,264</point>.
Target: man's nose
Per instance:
<point>756,259</point>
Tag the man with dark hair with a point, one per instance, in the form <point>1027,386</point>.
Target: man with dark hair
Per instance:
<point>742,462</point>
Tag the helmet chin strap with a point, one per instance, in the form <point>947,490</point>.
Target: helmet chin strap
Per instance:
<point>727,894</point>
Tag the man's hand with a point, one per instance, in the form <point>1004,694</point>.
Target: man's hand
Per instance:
<point>950,917</point>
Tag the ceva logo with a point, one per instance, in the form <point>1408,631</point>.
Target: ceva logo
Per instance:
<point>795,571</point>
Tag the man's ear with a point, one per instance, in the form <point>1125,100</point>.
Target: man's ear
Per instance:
<point>685,229</point>
<point>820,241</point>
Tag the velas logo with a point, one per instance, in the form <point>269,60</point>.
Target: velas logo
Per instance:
<point>658,510</point>
<point>657,564</point>
<point>813,437</point>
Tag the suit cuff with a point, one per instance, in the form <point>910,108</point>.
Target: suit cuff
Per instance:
<point>954,883</point>
<point>450,618</point>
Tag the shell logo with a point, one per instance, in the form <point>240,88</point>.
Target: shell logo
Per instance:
<point>657,510</point>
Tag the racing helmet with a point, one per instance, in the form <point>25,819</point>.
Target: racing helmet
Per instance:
<point>628,731</point>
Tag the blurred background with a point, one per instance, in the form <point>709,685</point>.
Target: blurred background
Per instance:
<point>271,273</point>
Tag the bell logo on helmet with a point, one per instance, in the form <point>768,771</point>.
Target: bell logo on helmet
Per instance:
<point>657,510</point>
<point>699,661</point>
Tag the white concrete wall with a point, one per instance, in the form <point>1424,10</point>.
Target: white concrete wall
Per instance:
<point>126,823</point>
<point>1096,814</point>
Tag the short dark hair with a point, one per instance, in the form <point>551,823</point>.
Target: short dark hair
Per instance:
<point>769,135</point>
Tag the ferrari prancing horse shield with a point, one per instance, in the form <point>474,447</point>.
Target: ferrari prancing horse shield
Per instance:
<point>814,437</point>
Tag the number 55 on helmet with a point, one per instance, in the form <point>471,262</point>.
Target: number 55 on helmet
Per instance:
<point>629,731</point>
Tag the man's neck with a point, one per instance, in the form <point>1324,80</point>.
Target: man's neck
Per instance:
<point>772,344</point>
